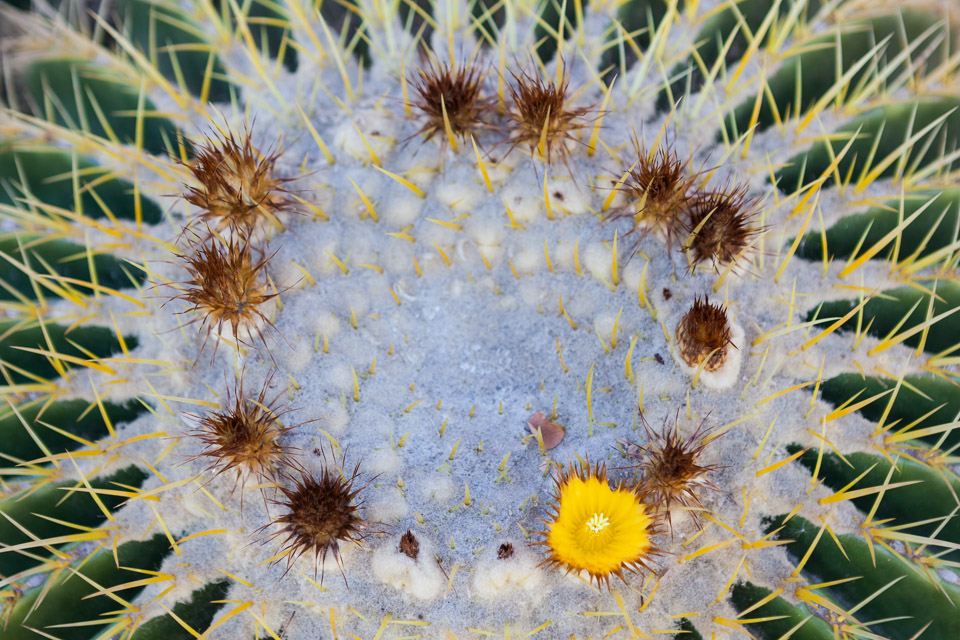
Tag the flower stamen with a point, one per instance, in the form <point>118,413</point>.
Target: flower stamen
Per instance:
<point>598,523</point>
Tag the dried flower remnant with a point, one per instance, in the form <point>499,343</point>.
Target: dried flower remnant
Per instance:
<point>540,116</point>
<point>505,551</point>
<point>449,99</point>
<point>321,514</point>
<point>245,437</point>
<point>704,335</point>
<point>409,545</point>
<point>227,287</point>
<point>659,194</point>
<point>596,528</point>
<point>235,185</point>
<point>720,226</point>
<point>671,469</point>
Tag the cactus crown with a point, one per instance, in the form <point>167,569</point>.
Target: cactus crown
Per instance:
<point>428,225</point>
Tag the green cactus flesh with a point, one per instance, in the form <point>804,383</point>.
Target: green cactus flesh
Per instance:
<point>351,450</point>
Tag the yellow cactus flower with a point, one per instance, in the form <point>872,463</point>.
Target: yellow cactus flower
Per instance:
<point>598,528</point>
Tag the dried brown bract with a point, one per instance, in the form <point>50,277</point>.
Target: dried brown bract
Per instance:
<point>550,432</point>
<point>450,95</point>
<point>321,514</point>
<point>704,335</point>
<point>245,437</point>
<point>671,470</point>
<point>235,186</point>
<point>659,193</point>
<point>540,116</point>
<point>227,287</point>
<point>720,226</point>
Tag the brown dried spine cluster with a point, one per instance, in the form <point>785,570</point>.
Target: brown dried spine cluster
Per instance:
<point>245,437</point>
<point>235,185</point>
<point>720,224</point>
<point>704,335</point>
<point>321,512</point>
<point>671,469</point>
<point>540,115</point>
<point>227,287</point>
<point>660,192</point>
<point>450,95</point>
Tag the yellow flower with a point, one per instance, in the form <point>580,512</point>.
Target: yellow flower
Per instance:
<point>596,528</point>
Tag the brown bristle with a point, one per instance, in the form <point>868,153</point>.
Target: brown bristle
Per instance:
<point>671,470</point>
<point>720,226</point>
<point>505,551</point>
<point>321,513</point>
<point>227,286</point>
<point>539,105</point>
<point>455,89</point>
<point>703,335</point>
<point>659,193</point>
<point>245,437</point>
<point>409,545</point>
<point>236,188</point>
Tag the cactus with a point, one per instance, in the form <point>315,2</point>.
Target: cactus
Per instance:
<point>506,319</point>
